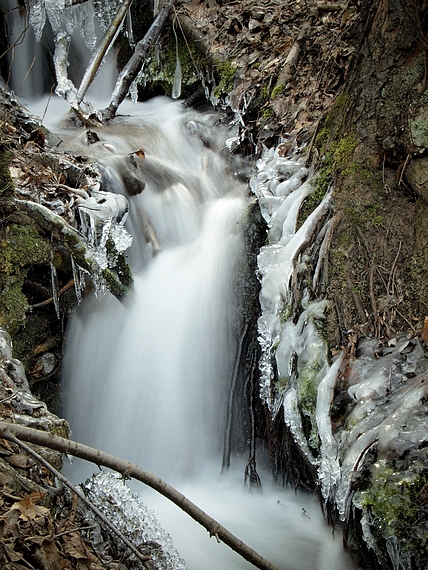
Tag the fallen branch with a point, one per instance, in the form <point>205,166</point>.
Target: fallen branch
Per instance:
<point>82,497</point>
<point>135,63</point>
<point>47,439</point>
<point>293,56</point>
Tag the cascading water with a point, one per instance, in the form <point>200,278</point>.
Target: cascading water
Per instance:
<point>148,379</point>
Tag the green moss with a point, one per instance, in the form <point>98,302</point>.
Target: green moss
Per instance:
<point>321,139</point>
<point>61,429</point>
<point>277,90</point>
<point>115,287</point>
<point>267,113</point>
<point>225,72</point>
<point>160,70</point>
<point>311,368</point>
<point>336,158</point>
<point>22,246</point>
<point>392,501</point>
<point>13,303</point>
<point>264,93</point>
<point>341,153</point>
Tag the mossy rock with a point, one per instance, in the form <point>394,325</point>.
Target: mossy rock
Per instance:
<point>7,189</point>
<point>394,503</point>
<point>20,247</point>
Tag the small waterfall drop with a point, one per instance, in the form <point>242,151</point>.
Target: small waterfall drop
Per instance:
<point>147,379</point>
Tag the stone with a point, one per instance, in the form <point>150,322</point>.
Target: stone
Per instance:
<point>417,177</point>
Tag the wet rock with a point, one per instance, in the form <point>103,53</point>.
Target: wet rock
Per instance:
<point>417,176</point>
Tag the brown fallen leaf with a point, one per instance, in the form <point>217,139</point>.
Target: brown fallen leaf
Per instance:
<point>29,509</point>
<point>20,460</point>
<point>140,153</point>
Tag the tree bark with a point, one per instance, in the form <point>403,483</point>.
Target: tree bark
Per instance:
<point>47,439</point>
<point>134,65</point>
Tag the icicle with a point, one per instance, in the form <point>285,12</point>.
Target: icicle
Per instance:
<point>329,468</point>
<point>129,29</point>
<point>37,17</point>
<point>79,280</point>
<point>55,289</point>
<point>176,86</point>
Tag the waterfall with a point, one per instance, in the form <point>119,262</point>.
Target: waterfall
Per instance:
<point>148,379</point>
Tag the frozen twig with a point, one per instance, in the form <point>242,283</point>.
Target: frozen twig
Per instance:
<point>102,48</point>
<point>135,63</point>
<point>81,252</point>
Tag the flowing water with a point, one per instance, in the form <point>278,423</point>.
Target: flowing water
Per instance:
<point>147,379</point>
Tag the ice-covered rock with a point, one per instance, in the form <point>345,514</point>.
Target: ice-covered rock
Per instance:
<point>127,511</point>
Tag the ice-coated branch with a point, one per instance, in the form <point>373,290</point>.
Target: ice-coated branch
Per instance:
<point>82,254</point>
<point>47,439</point>
<point>65,87</point>
<point>102,48</point>
<point>135,63</point>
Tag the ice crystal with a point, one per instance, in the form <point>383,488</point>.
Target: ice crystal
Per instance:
<point>66,16</point>
<point>128,513</point>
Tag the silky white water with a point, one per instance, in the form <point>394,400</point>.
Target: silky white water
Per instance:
<point>147,379</point>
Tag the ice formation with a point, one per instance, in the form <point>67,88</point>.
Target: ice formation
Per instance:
<point>126,510</point>
<point>386,427</point>
<point>67,16</point>
<point>281,191</point>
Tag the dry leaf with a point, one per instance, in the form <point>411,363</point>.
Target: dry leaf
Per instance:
<point>75,546</point>
<point>29,509</point>
<point>424,333</point>
<point>140,153</point>
<point>20,460</point>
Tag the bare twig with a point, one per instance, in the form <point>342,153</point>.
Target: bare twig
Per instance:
<point>391,275</point>
<point>26,75</point>
<point>47,439</point>
<point>50,300</point>
<point>372,298</point>
<point>142,557</point>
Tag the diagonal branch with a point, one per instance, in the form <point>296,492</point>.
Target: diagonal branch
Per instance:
<point>81,495</point>
<point>46,439</point>
<point>102,48</point>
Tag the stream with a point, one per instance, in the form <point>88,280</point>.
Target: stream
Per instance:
<point>147,379</point>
